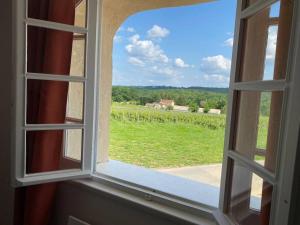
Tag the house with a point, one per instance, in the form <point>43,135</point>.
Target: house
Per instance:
<point>181,108</point>
<point>166,103</point>
<point>215,111</point>
<point>39,185</point>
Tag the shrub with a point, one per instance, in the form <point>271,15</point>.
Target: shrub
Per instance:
<point>193,107</point>
<point>169,108</point>
<point>206,110</point>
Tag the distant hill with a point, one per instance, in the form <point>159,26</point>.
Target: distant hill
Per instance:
<point>204,89</point>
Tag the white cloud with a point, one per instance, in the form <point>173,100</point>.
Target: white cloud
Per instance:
<point>157,32</point>
<point>216,69</point>
<point>136,62</point>
<point>163,70</point>
<point>272,42</point>
<point>146,50</point>
<point>118,39</point>
<point>150,56</point>
<point>134,38</point>
<point>216,65</point>
<point>229,42</point>
<point>130,30</point>
<point>180,63</point>
<point>216,78</point>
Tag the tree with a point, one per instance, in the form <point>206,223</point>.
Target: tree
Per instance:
<point>206,109</point>
<point>193,107</point>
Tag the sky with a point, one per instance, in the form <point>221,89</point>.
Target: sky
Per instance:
<point>183,46</point>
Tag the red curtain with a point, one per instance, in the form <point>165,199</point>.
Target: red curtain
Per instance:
<point>49,51</point>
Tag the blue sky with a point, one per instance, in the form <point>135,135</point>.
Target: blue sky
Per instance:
<point>183,46</point>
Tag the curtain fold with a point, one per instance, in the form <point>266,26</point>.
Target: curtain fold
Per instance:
<point>49,51</point>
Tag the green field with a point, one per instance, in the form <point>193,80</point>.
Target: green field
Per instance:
<point>161,139</point>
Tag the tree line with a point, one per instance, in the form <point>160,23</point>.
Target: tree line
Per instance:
<point>194,96</point>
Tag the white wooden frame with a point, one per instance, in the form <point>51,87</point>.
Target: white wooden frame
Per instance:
<point>282,178</point>
<point>19,176</point>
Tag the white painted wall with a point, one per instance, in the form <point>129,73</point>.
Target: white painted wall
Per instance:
<point>99,208</point>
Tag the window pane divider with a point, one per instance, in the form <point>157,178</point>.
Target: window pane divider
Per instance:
<point>43,127</point>
<point>253,167</point>
<point>41,76</point>
<point>271,85</point>
<point>55,26</point>
<point>52,177</point>
<point>30,175</point>
<point>274,21</point>
<point>256,7</point>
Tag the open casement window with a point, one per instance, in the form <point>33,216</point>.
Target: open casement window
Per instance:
<point>258,96</point>
<point>55,89</point>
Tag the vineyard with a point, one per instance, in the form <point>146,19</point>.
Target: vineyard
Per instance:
<point>161,116</point>
<point>160,139</point>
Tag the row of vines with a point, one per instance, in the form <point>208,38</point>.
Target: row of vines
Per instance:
<point>160,116</point>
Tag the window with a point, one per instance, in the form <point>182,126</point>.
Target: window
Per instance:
<point>167,120</point>
<point>54,129</point>
<point>57,94</point>
<point>259,74</point>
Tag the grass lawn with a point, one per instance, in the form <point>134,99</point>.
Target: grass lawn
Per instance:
<point>162,145</point>
<point>160,139</point>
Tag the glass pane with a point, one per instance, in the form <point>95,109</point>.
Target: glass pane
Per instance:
<point>250,200</point>
<point>81,13</point>
<point>78,55</point>
<point>258,125</point>
<point>55,52</point>
<point>73,144</point>
<point>71,12</point>
<point>45,151</point>
<point>275,7</point>
<point>265,44</point>
<point>269,66</point>
<point>54,102</point>
<point>75,103</point>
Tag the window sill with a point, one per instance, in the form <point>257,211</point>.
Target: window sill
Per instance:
<point>200,194</point>
<point>173,210</point>
<point>174,196</point>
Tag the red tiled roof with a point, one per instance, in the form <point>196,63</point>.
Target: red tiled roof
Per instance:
<point>166,102</point>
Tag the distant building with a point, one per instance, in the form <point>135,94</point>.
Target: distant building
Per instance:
<point>166,103</point>
<point>211,111</point>
<point>215,111</point>
<point>181,108</point>
<point>154,105</point>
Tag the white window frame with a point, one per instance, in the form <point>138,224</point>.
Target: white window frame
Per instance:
<point>20,178</point>
<point>282,178</point>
